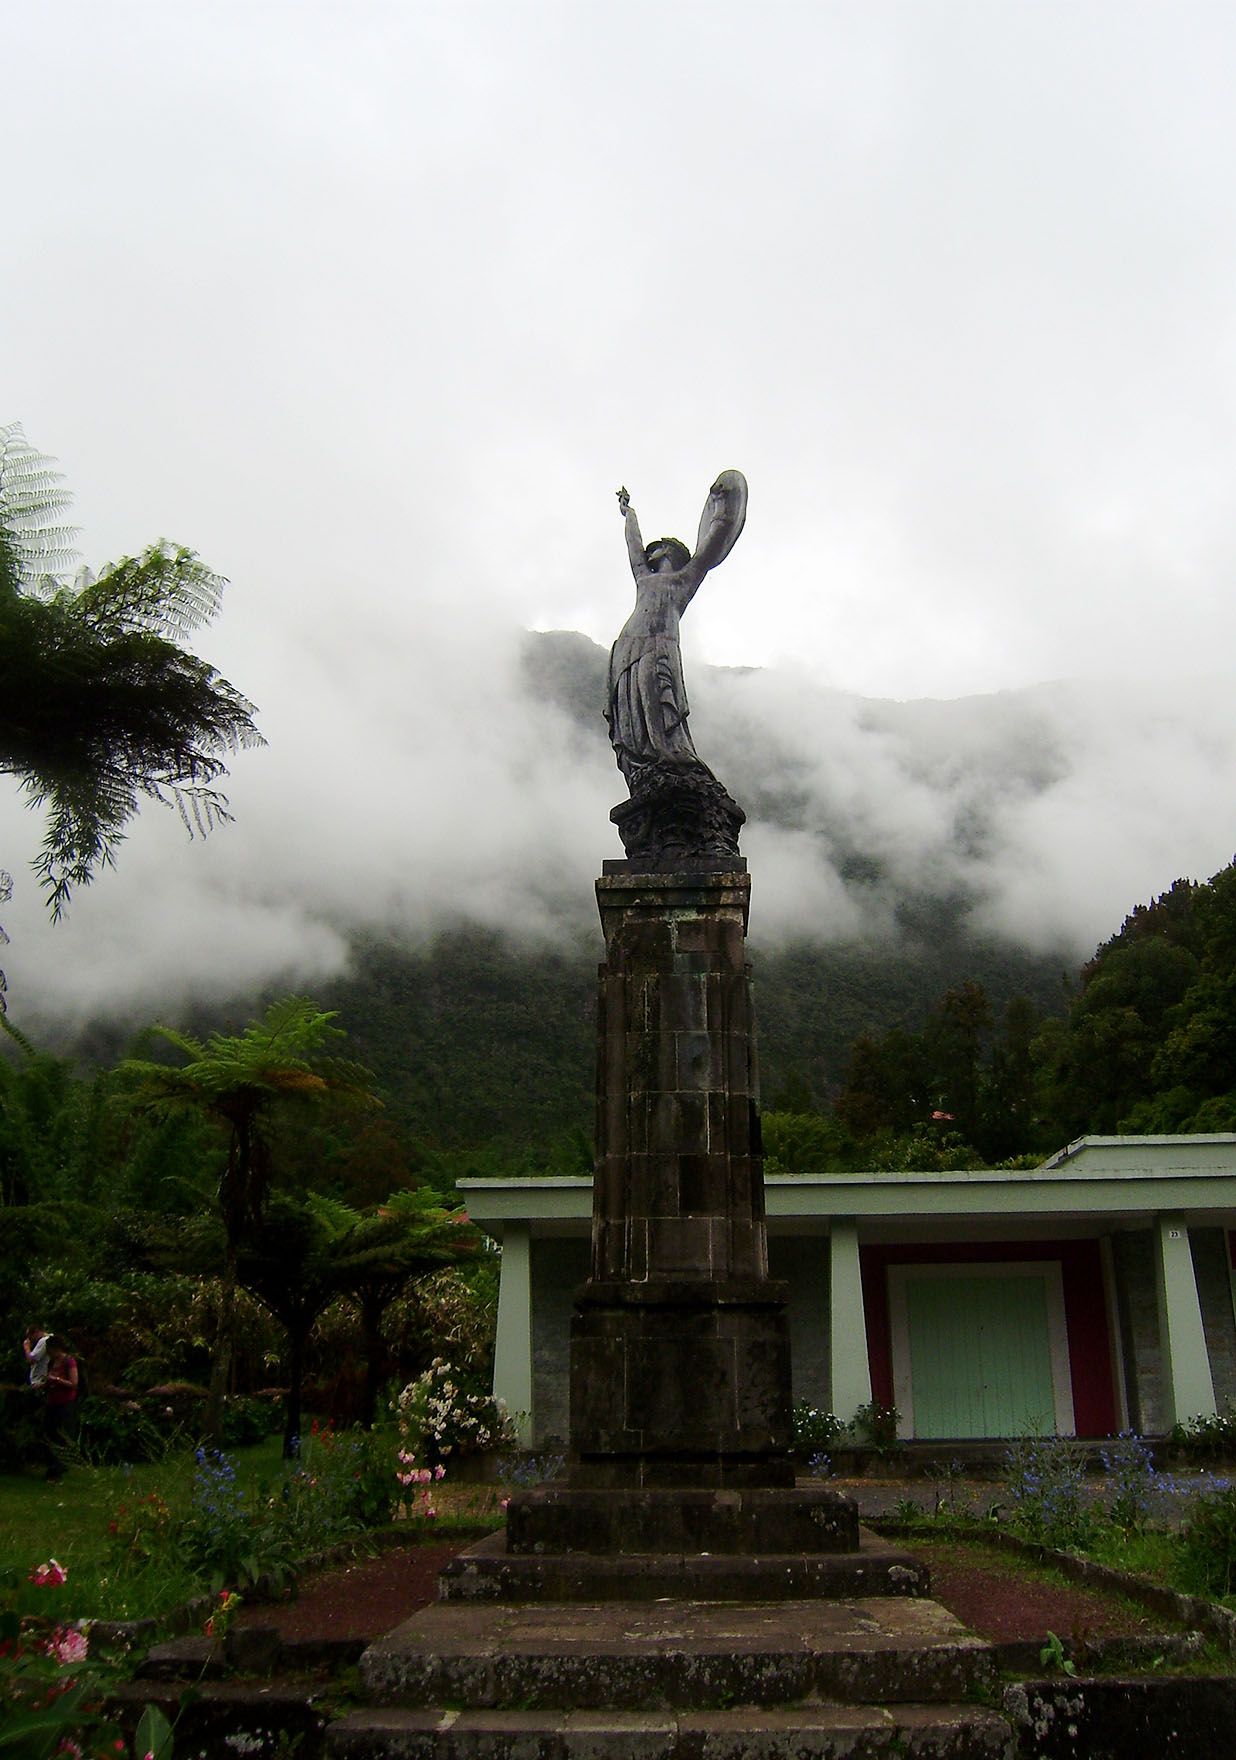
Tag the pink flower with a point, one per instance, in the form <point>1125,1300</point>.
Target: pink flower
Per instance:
<point>68,1646</point>
<point>439,1471</point>
<point>49,1575</point>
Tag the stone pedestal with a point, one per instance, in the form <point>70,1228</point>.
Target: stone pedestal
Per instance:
<point>679,1595</point>
<point>680,1366</point>
<point>680,1360</point>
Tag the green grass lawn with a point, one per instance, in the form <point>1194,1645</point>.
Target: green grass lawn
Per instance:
<point>69,1521</point>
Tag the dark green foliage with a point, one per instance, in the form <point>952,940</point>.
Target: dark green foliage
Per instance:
<point>805,1143</point>
<point>486,1051</point>
<point>1149,1044</point>
<point>247,1418</point>
<point>113,1431</point>
<point>476,1041</point>
<point>100,703</point>
<point>1208,1544</point>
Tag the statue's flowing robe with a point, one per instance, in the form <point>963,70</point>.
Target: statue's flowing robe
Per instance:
<point>647,707</point>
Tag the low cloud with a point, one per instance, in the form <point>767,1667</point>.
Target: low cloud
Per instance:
<point>432,783</point>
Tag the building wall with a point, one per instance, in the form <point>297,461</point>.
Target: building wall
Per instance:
<point>558,1268</point>
<point>1137,1307</point>
<point>1212,1268</point>
<point>801,1261</point>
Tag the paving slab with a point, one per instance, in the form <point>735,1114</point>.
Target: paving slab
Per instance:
<point>676,1654</point>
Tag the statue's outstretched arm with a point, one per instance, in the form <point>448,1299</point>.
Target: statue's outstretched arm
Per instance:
<point>635,543</point>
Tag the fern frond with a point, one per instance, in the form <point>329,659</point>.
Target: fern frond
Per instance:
<point>35,548</point>
<point>166,591</point>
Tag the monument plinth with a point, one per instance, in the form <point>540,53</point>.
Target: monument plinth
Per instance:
<point>679,1345</point>
<point>680,1356</point>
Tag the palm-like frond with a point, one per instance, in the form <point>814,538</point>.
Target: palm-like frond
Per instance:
<point>284,1054</point>
<point>166,591</point>
<point>100,705</point>
<point>34,549</point>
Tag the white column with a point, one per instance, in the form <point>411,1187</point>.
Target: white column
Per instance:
<point>513,1346</point>
<point>849,1374</point>
<point>1188,1390</point>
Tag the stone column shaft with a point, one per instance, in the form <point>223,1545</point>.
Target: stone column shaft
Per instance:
<point>680,1345</point>
<point>1188,1388</point>
<point>513,1349</point>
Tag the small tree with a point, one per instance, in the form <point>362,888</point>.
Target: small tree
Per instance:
<point>239,1083</point>
<point>100,702</point>
<point>407,1238</point>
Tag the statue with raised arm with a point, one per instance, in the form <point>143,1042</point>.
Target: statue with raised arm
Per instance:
<point>678,810</point>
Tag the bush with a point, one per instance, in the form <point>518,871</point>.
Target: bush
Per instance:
<point>814,1430</point>
<point>251,1417</point>
<point>21,1427</point>
<point>440,1415</point>
<point>1208,1544</point>
<point>875,1426</point>
<point>1212,1438</point>
<point>1045,1478</point>
<point>113,1432</point>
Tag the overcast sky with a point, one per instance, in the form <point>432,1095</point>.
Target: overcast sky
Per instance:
<point>376,305</point>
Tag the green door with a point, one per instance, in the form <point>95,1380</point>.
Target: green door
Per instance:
<point>980,1355</point>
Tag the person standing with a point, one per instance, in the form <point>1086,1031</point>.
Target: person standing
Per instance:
<point>59,1406</point>
<point>34,1349</point>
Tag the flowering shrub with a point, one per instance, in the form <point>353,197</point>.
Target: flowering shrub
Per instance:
<point>419,1506</point>
<point>222,1534</point>
<point>1045,1480</point>
<point>223,1615</point>
<point>1135,1490</point>
<point>439,1415</point>
<point>50,1690</point>
<point>814,1429</point>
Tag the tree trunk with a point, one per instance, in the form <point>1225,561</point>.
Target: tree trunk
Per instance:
<point>372,1307</point>
<point>224,1352</point>
<point>298,1333</point>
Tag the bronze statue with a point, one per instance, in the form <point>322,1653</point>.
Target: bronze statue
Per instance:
<point>678,810</point>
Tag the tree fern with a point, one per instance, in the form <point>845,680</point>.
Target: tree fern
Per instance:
<point>100,704</point>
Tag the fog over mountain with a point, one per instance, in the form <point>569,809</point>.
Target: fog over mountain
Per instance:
<point>464,777</point>
<point>376,305</point>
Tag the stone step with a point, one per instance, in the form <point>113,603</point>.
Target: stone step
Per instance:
<point>625,1656</point>
<point>822,1732</point>
<point>488,1571</point>
<point>691,1519</point>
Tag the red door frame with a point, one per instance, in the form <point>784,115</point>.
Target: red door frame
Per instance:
<point>1085,1314</point>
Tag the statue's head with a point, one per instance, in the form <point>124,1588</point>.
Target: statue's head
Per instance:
<point>664,555</point>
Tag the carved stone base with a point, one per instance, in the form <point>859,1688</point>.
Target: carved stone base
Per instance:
<point>680,1384</point>
<point>553,1519</point>
<point>677,815</point>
